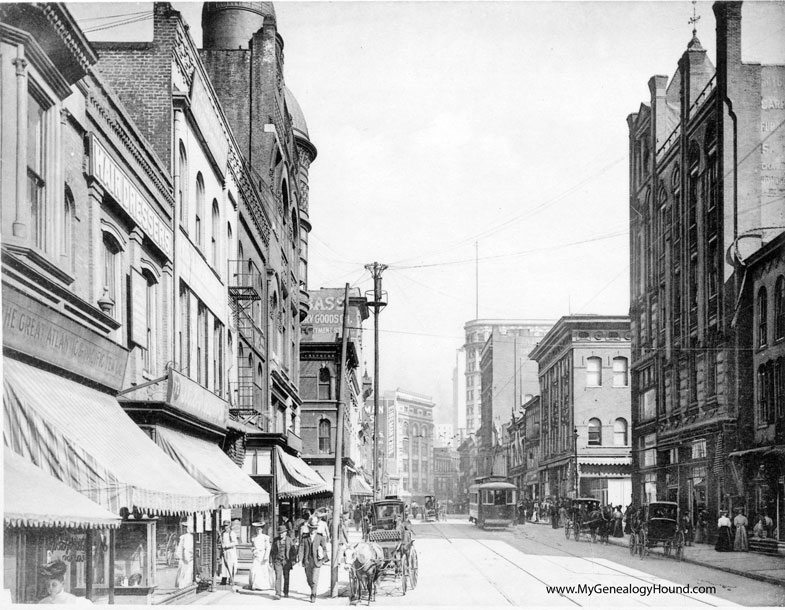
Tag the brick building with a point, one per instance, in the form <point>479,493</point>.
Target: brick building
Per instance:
<point>445,475</point>
<point>585,408</point>
<point>704,171</point>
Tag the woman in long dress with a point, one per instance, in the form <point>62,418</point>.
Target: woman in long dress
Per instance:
<point>724,540</point>
<point>259,577</point>
<point>741,543</point>
<point>185,558</point>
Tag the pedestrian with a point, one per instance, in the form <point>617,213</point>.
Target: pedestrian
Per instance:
<point>54,575</point>
<point>686,526</point>
<point>313,554</point>
<point>357,516</point>
<point>759,531</point>
<point>185,558</point>
<point>563,514</point>
<point>618,530</point>
<point>283,554</point>
<point>228,553</point>
<point>724,541</point>
<point>259,576</point>
<point>768,523</point>
<point>554,513</point>
<point>521,512</point>
<point>740,543</point>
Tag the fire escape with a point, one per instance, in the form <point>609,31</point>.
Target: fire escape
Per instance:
<point>245,290</point>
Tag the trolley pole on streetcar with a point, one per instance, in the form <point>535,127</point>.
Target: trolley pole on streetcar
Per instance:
<point>377,302</point>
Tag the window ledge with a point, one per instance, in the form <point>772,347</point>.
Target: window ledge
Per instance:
<point>40,260</point>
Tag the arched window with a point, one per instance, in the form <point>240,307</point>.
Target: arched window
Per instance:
<point>110,273</point>
<point>620,372</point>
<point>216,220</point>
<point>779,308</point>
<point>149,354</point>
<point>763,314</point>
<point>325,444</point>
<point>594,371</point>
<point>325,380</point>
<point>228,240</point>
<point>199,212</point>
<point>620,432</point>
<point>67,229</point>
<point>182,194</point>
<point>595,431</point>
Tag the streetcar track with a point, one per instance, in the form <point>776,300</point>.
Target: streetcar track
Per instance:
<point>575,555</point>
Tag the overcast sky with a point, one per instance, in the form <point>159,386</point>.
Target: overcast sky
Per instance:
<point>442,124</point>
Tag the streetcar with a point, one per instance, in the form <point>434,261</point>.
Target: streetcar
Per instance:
<point>492,504</point>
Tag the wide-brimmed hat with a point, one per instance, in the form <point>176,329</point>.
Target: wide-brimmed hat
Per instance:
<point>313,522</point>
<point>259,523</point>
<point>281,530</point>
<point>225,523</point>
<point>54,569</point>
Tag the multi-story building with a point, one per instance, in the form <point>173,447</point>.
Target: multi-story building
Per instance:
<point>585,408</point>
<point>407,444</point>
<point>477,333</point>
<point>321,372</point>
<point>705,170</point>
<point>467,466</point>
<point>530,486</point>
<point>445,475</point>
<point>515,451</point>
<point>459,395</point>
<point>758,462</point>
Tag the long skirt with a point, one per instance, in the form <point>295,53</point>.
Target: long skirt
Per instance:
<point>741,543</point>
<point>259,576</point>
<point>618,531</point>
<point>724,542</point>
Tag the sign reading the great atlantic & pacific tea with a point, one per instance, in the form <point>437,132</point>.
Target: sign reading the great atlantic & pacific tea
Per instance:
<point>32,328</point>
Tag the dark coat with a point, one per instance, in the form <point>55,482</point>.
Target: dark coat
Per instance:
<point>309,549</point>
<point>283,552</point>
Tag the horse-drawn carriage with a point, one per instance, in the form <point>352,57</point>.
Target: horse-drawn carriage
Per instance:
<point>431,512</point>
<point>586,516</point>
<point>657,524</point>
<point>388,553</point>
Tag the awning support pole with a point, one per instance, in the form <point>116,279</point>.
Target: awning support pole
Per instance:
<point>338,475</point>
<point>111,565</point>
<point>88,564</point>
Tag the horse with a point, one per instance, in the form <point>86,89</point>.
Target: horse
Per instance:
<point>366,559</point>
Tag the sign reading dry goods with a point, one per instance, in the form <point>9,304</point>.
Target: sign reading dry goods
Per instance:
<point>325,317</point>
<point>32,328</point>
<point>772,149</point>
<point>120,187</point>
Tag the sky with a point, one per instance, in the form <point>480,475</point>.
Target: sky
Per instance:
<point>479,149</point>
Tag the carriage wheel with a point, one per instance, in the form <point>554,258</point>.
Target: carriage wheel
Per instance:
<point>679,546</point>
<point>413,567</point>
<point>633,544</point>
<point>404,573</point>
<point>643,544</point>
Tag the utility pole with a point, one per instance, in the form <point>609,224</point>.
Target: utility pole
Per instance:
<point>377,302</point>
<point>338,476</point>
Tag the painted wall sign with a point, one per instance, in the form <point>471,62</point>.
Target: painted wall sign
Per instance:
<point>118,184</point>
<point>32,328</point>
<point>772,149</point>
<point>190,397</point>
<point>325,317</point>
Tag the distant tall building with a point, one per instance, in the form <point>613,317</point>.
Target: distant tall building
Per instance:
<point>528,333</point>
<point>458,412</point>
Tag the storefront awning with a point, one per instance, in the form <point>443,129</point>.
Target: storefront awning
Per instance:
<point>83,438</point>
<point>619,460</point>
<point>296,479</point>
<point>36,499</point>
<point>214,470</point>
<point>358,486</point>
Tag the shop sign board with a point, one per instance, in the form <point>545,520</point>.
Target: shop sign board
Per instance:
<point>190,397</point>
<point>36,330</point>
<point>324,321</point>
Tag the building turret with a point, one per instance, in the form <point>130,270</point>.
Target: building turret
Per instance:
<point>230,25</point>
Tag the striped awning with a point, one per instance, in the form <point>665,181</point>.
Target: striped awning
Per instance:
<point>83,438</point>
<point>358,486</point>
<point>36,499</point>
<point>214,470</point>
<point>296,479</point>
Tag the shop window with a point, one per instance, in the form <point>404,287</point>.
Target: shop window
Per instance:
<point>620,432</point>
<point>779,308</point>
<point>620,372</point>
<point>132,565</point>
<point>325,443</point>
<point>594,371</point>
<point>595,431</point>
<point>762,315</point>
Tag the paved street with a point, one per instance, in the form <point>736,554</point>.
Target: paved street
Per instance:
<point>463,566</point>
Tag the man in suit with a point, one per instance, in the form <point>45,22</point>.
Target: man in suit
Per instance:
<point>283,554</point>
<point>313,554</point>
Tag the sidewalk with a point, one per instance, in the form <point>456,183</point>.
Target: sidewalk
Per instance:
<point>766,568</point>
<point>299,591</point>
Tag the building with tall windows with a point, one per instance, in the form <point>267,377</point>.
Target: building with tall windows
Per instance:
<point>706,188</point>
<point>585,408</point>
<point>477,333</point>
